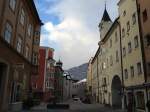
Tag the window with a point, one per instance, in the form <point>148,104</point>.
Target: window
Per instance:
<point>19,44</point>
<point>136,43</point>
<point>129,47</point>
<point>145,17</point>
<point>36,41</point>
<point>123,32</point>
<point>132,71</point>
<point>35,58</point>
<point>140,100</point>
<point>111,60</point>
<point>22,17</point>
<point>12,4</point>
<point>8,32</point>
<point>134,18</point>
<point>104,65</point>
<point>128,26</point>
<point>147,37</point>
<point>139,68</point>
<point>27,52</point>
<point>124,51</point>
<point>124,13</point>
<point>126,74</point>
<point>116,37</point>
<point>117,56</point>
<point>29,29</point>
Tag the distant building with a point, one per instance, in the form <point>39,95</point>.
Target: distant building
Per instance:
<point>19,48</point>
<point>79,89</point>
<point>58,83</point>
<point>89,79</point>
<point>43,83</point>
<point>67,86</point>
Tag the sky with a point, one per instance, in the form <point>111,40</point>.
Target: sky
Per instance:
<point>71,27</point>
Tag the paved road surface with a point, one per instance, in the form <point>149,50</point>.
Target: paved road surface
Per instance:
<point>76,107</point>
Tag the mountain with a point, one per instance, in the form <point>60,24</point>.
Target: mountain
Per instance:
<point>79,72</point>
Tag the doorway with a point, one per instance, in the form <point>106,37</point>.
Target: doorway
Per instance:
<point>116,92</point>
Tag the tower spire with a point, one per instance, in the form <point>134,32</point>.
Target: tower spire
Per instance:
<point>105,4</point>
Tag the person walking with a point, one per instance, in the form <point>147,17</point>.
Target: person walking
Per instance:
<point>148,105</point>
<point>130,107</point>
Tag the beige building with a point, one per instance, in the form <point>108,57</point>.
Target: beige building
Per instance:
<point>121,62</point>
<point>95,81</point>
<point>19,46</point>
<point>89,79</point>
<point>133,72</point>
<point>110,74</point>
<point>144,19</point>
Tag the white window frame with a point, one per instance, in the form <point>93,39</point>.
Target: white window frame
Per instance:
<point>19,44</point>
<point>30,30</point>
<point>136,42</point>
<point>22,17</point>
<point>12,4</point>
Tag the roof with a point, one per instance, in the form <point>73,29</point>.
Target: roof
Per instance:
<point>33,7</point>
<point>106,16</point>
<point>82,81</point>
<point>110,29</point>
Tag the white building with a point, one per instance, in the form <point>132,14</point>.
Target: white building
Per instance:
<point>67,86</point>
<point>79,88</point>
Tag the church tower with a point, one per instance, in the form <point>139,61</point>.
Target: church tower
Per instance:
<point>105,24</point>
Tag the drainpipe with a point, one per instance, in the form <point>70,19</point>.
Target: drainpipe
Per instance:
<point>142,45</point>
<point>98,78</point>
<point>121,60</point>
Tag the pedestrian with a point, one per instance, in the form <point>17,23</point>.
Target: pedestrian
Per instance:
<point>130,107</point>
<point>148,105</point>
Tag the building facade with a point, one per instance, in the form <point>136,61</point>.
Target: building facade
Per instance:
<point>133,67</point>
<point>67,86</point>
<point>121,63</point>
<point>58,82</point>
<point>144,19</point>
<point>89,79</point>
<point>110,74</point>
<point>79,89</point>
<point>19,45</point>
<point>43,83</point>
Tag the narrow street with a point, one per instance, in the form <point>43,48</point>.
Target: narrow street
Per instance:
<point>76,106</point>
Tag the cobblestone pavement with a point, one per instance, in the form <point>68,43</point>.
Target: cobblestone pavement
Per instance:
<point>77,107</point>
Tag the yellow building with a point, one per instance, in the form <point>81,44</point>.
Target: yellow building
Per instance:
<point>133,72</point>
<point>118,62</point>
<point>95,77</point>
<point>110,72</point>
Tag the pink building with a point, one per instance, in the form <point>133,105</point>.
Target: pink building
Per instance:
<point>43,83</point>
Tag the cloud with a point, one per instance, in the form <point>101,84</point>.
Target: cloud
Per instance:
<point>75,38</point>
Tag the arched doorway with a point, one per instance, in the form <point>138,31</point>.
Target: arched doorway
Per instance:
<point>116,92</point>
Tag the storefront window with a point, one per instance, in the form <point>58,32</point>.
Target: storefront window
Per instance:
<point>140,100</point>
